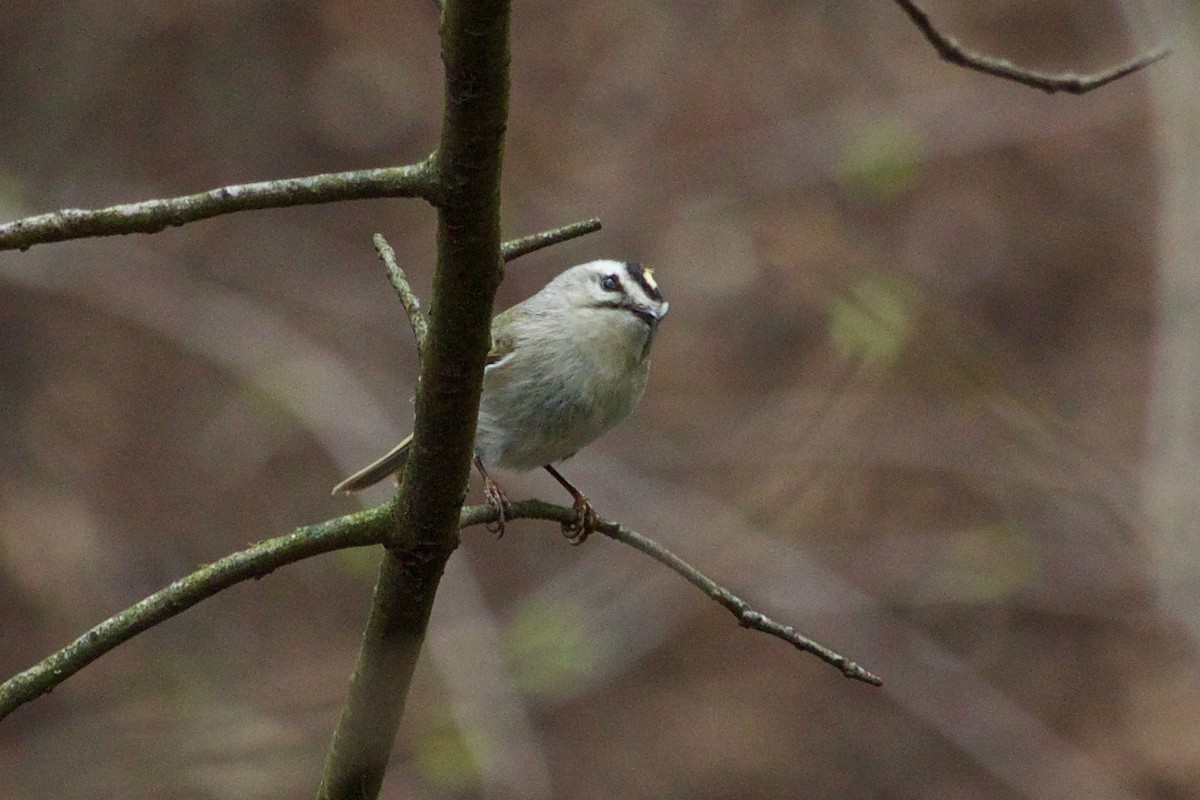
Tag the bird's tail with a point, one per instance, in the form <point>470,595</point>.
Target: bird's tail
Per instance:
<point>376,471</point>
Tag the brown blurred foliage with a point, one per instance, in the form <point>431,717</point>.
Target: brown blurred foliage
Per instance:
<point>902,401</point>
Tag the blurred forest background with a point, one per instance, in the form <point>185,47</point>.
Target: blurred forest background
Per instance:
<point>929,390</point>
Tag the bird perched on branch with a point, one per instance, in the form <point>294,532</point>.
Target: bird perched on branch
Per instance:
<point>565,365</point>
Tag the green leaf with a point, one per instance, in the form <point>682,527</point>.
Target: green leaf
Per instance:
<point>874,320</point>
<point>880,163</point>
<point>546,650</point>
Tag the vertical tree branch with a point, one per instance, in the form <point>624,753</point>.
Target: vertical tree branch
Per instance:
<point>467,193</point>
<point>366,731</point>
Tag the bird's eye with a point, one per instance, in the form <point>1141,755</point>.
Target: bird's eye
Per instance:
<point>609,283</point>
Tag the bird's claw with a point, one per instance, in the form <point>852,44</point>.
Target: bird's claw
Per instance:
<point>495,496</point>
<point>585,523</point>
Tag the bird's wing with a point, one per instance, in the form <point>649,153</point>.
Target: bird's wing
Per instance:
<point>503,340</point>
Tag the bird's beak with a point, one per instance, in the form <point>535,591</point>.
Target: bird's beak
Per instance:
<point>650,316</point>
<point>654,316</point>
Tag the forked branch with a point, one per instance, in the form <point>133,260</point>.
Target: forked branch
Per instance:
<point>371,527</point>
<point>510,250</point>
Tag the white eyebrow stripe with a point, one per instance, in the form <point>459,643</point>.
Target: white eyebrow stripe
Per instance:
<point>644,280</point>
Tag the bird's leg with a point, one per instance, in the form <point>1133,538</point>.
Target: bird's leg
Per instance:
<point>586,521</point>
<point>494,495</point>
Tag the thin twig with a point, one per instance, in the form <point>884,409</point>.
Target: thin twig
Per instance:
<point>949,49</point>
<point>412,305</point>
<point>747,617</point>
<point>509,250</point>
<point>152,216</point>
<point>527,244</point>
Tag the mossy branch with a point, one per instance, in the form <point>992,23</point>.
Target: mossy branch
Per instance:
<point>152,216</point>
<point>374,526</point>
<point>355,530</point>
<point>475,54</point>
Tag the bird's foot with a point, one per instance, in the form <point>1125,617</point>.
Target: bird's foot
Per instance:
<point>495,496</point>
<point>585,523</point>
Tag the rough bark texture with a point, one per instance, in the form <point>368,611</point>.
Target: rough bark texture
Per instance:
<point>468,161</point>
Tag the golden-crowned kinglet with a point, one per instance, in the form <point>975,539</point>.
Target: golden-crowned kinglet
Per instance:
<point>565,366</point>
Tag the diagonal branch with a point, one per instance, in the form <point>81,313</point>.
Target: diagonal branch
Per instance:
<point>369,527</point>
<point>747,617</point>
<point>515,248</point>
<point>355,530</point>
<point>152,216</point>
<point>408,298</point>
<point>949,49</point>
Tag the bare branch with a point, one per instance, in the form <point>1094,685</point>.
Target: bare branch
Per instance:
<point>408,298</point>
<point>355,530</point>
<point>747,617</point>
<point>949,49</point>
<point>516,248</point>
<point>152,216</point>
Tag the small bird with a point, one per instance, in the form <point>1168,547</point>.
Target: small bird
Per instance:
<point>565,365</point>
